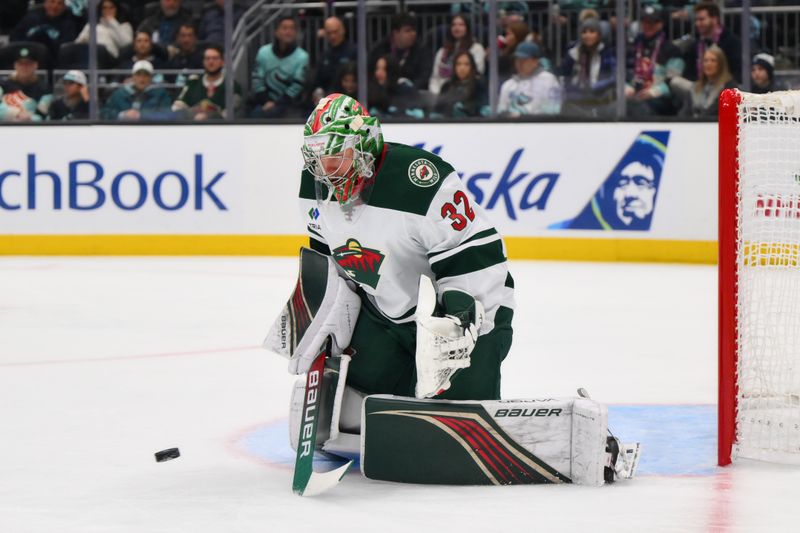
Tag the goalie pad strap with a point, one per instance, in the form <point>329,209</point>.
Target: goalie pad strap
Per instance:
<point>493,442</point>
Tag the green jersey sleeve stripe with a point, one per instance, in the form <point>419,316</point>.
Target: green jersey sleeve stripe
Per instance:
<point>464,246</point>
<point>470,259</point>
<point>479,235</point>
<point>509,281</point>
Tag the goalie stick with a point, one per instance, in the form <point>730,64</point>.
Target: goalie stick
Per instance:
<point>306,482</point>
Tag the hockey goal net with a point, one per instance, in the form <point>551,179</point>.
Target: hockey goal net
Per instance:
<point>759,276</point>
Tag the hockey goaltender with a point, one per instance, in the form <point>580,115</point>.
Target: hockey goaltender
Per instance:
<point>401,318</point>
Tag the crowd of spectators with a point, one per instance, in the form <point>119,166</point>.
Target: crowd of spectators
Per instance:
<point>664,76</point>
<point>171,60</point>
<point>173,63</point>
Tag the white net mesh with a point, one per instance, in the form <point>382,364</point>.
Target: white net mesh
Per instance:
<point>768,273</point>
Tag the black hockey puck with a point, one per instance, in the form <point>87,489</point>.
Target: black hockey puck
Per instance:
<point>166,455</point>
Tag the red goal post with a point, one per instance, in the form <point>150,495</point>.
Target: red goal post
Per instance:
<point>728,174</point>
<point>759,277</point>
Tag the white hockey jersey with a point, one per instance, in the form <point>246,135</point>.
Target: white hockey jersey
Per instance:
<point>418,219</point>
<point>539,94</point>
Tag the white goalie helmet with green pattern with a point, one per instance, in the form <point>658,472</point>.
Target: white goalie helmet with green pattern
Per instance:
<point>341,143</point>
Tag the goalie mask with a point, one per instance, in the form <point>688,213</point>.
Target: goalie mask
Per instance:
<point>341,143</point>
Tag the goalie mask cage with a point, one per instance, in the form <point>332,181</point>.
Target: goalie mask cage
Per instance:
<point>759,276</point>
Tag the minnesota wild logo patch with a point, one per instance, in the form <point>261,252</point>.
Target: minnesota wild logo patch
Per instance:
<point>361,264</point>
<point>422,173</point>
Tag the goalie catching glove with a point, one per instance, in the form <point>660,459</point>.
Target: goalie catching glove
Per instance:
<point>444,344</point>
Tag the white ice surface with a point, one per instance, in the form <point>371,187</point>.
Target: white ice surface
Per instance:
<point>105,361</point>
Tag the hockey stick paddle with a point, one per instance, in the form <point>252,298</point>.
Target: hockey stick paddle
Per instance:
<point>306,482</point>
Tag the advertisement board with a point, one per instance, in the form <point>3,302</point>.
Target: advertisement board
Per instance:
<point>573,190</point>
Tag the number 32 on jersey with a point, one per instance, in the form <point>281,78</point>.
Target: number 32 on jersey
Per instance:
<point>453,210</point>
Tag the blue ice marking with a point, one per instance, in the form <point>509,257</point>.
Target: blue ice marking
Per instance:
<point>271,443</point>
<point>676,439</point>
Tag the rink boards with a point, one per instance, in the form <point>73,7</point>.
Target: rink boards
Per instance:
<point>627,191</point>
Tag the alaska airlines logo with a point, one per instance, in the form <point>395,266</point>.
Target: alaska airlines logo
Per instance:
<point>627,198</point>
<point>361,264</point>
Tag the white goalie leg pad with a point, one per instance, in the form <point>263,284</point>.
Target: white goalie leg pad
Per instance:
<point>323,304</point>
<point>589,431</point>
<point>568,434</point>
<point>339,411</point>
<point>347,441</point>
<point>443,346</point>
<point>540,441</point>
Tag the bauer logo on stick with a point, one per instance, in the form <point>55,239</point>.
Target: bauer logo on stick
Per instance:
<point>422,173</point>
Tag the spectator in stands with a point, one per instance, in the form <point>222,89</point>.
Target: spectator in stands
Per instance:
<point>459,38</point>
<point>346,80</point>
<point>145,50</point>
<point>413,59</point>
<point>710,32</point>
<point>653,61</point>
<point>516,33</point>
<point>465,93</point>
<point>338,51</point>
<point>589,71</point>
<point>140,99</point>
<point>388,95</point>
<point>762,74</point>
<point>111,33</point>
<point>74,104</point>
<point>532,90</point>
<point>203,97</point>
<point>11,12</point>
<point>279,73</point>
<point>605,26</point>
<point>701,100</point>
<point>164,24</point>
<point>24,96</point>
<point>212,21</point>
<point>136,11</point>
<point>185,54</point>
<point>51,25</point>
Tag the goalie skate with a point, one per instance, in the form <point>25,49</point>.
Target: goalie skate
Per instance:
<point>622,459</point>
